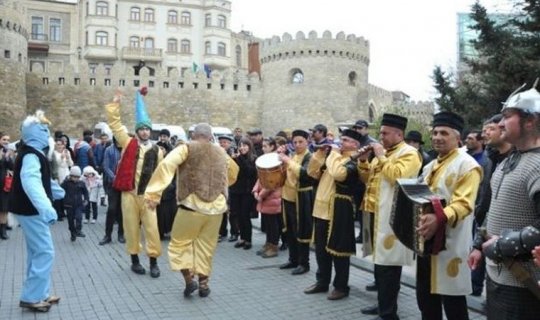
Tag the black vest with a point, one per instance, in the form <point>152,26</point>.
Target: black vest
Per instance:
<point>150,163</point>
<point>19,203</point>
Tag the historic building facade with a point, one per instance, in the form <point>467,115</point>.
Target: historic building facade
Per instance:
<point>68,57</point>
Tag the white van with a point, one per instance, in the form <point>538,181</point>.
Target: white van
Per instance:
<point>176,131</point>
<point>216,132</point>
<point>102,127</point>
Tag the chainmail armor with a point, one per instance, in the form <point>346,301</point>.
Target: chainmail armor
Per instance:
<point>512,208</point>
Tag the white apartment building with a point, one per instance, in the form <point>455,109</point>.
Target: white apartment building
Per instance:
<point>181,34</point>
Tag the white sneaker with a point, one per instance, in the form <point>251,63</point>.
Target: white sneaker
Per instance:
<point>93,221</point>
<point>85,221</point>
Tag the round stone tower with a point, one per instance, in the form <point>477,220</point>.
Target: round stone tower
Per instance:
<point>13,61</point>
<point>313,80</point>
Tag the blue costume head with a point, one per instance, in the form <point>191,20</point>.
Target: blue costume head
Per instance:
<point>142,120</point>
<point>35,131</point>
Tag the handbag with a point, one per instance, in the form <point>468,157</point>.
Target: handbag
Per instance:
<point>8,181</point>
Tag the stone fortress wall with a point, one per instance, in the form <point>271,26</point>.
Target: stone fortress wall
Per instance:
<point>75,100</point>
<point>333,86</point>
<point>335,79</point>
<point>13,59</point>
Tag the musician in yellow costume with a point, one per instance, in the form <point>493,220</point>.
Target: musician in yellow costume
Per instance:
<point>297,205</point>
<point>203,173</point>
<point>444,279</point>
<point>394,159</point>
<point>139,159</point>
<point>334,213</point>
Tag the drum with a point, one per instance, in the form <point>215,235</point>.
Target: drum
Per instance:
<point>271,171</point>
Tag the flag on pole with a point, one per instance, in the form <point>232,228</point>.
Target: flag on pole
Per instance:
<point>207,70</point>
<point>195,67</point>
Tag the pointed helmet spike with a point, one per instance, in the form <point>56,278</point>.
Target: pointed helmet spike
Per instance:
<point>526,101</point>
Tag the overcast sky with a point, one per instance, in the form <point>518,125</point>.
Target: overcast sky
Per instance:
<point>407,37</point>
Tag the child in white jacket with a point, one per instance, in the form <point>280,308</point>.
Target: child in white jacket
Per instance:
<point>94,184</point>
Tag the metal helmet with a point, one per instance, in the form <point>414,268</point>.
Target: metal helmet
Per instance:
<point>527,101</point>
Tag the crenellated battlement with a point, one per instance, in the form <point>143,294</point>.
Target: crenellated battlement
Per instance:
<point>163,79</point>
<point>342,46</point>
<point>12,17</point>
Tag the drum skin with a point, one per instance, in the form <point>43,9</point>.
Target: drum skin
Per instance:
<point>271,171</point>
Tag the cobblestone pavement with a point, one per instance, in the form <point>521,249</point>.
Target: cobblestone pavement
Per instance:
<point>95,282</point>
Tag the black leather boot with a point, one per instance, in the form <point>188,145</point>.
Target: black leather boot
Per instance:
<point>3,231</point>
<point>154,269</point>
<point>136,265</point>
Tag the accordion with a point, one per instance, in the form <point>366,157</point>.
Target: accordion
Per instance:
<point>413,199</point>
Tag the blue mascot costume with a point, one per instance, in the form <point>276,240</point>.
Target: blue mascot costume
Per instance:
<point>31,198</point>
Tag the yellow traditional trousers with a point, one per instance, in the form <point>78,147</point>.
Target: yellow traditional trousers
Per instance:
<point>135,213</point>
<point>193,241</point>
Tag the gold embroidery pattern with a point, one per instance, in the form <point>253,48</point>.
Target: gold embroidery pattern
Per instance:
<point>389,241</point>
<point>453,267</point>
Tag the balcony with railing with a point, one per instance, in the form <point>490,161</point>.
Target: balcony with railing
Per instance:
<point>38,42</point>
<point>146,54</point>
<point>217,61</point>
<point>100,52</point>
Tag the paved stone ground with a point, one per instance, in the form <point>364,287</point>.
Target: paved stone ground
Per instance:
<point>95,282</point>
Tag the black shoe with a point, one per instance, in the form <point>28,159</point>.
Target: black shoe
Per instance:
<point>121,238</point>
<point>154,271</point>
<point>59,219</point>
<point>73,237</point>
<point>288,265</point>
<point>373,310</point>
<point>42,306</point>
<point>371,287</point>
<point>80,234</point>
<point>221,238</point>
<point>316,288</point>
<point>359,239</point>
<point>300,270</point>
<point>233,238</point>
<point>138,268</point>
<point>239,244</point>
<point>283,246</point>
<point>247,245</point>
<point>190,287</point>
<point>105,240</point>
<point>204,292</point>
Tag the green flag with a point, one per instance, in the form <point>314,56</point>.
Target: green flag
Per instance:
<point>195,67</point>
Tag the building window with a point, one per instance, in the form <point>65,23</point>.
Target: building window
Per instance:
<point>134,42</point>
<point>297,76</point>
<point>55,30</point>
<point>135,14</point>
<point>102,38</point>
<point>238,52</point>
<point>222,21</point>
<point>108,68</point>
<point>92,67</point>
<point>352,78</point>
<point>172,17</point>
<point>207,47</point>
<point>221,49</point>
<point>149,15</point>
<point>37,29</point>
<point>186,18</point>
<point>172,45</point>
<point>185,46</point>
<point>149,46</point>
<point>208,20</point>
<point>102,8</point>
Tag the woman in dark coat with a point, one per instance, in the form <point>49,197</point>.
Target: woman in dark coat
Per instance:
<point>241,200</point>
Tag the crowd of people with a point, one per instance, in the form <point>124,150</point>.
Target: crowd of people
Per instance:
<point>480,230</point>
